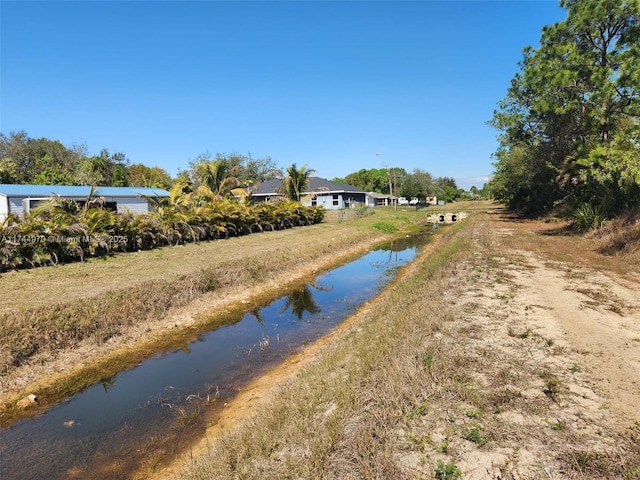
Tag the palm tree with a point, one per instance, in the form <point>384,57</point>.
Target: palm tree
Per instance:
<point>217,176</point>
<point>182,188</point>
<point>296,181</point>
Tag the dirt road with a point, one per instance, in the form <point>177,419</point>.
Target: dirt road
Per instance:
<point>540,356</point>
<point>561,321</point>
<point>588,303</point>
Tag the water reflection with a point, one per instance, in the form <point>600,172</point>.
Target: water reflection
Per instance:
<point>109,428</point>
<point>107,383</point>
<point>301,300</point>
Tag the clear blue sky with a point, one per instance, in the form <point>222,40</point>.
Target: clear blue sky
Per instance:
<point>317,83</point>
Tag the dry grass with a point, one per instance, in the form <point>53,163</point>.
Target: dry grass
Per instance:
<point>95,306</point>
<point>418,388</point>
<point>620,237</point>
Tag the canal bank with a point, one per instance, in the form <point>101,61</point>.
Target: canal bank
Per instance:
<point>246,270</point>
<point>260,394</point>
<point>181,409</point>
<point>469,366</point>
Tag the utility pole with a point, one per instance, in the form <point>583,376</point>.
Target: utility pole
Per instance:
<point>395,187</point>
<point>391,186</point>
<point>393,203</point>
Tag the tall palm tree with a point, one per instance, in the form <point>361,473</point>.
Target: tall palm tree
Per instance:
<point>296,181</point>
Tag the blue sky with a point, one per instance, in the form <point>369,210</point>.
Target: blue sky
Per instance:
<point>318,83</point>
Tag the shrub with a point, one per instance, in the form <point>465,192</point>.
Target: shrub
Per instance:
<point>588,216</point>
<point>58,233</point>
<point>447,471</point>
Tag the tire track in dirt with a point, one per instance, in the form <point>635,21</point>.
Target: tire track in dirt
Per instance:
<point>603,326</point>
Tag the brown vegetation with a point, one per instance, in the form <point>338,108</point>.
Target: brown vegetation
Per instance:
<point>481,361</point>
<point>507,350</point>
<point>55,321</point>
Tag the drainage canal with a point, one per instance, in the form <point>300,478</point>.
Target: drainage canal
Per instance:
<point>148,414</point>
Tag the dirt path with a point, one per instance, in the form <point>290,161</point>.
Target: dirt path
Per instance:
<point>549,331</point>
<point>566,329</point>
<point>587,306</point>
<point>599,317</point>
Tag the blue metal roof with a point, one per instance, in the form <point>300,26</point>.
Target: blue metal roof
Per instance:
<point>19,190</point>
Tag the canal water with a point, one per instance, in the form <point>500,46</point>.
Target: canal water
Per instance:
<point>148,413</point>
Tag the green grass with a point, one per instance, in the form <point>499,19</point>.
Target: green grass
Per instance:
<point>386,227</point>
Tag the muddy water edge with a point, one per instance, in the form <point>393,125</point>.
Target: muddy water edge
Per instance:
<point>145,416</point>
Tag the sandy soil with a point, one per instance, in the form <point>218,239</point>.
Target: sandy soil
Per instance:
<point>534,308</point>
<point>589,305</point>
<point>566,330</point>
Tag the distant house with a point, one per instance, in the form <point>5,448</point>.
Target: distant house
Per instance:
<point>375,199</point>
<point>19,199</point>
<point>321,192</point>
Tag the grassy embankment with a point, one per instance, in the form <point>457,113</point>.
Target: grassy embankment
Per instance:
<point>340,417</point>
<point>414,389</point>
<point>100,306</point>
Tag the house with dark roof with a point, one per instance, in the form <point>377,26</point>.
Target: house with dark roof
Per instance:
<point>20,199</point>
<point>320,192</point>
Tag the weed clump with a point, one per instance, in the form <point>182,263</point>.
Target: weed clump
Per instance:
<point>385,227</point>
<point>447,471</point>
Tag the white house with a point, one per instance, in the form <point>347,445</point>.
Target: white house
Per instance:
<point>18,199</point>
<point>375,199</point>
<point>320,192</point>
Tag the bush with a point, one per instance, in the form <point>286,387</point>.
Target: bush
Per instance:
<point>588,216</point>
<point>57,233</point>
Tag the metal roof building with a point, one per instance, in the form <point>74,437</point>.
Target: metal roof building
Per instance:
<point>18,198</point>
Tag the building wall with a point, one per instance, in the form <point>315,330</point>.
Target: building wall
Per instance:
<point>15,205</point>
<point>131,204</point>
<point>4,207</point>
<point>134,205</point>
<point>328,202</point>
<point>336,201</point>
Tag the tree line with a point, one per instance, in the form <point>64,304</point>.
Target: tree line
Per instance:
<point>43,161</point>
<point>569,124</point>
<point>48,162</point>
<point>400,183</point>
